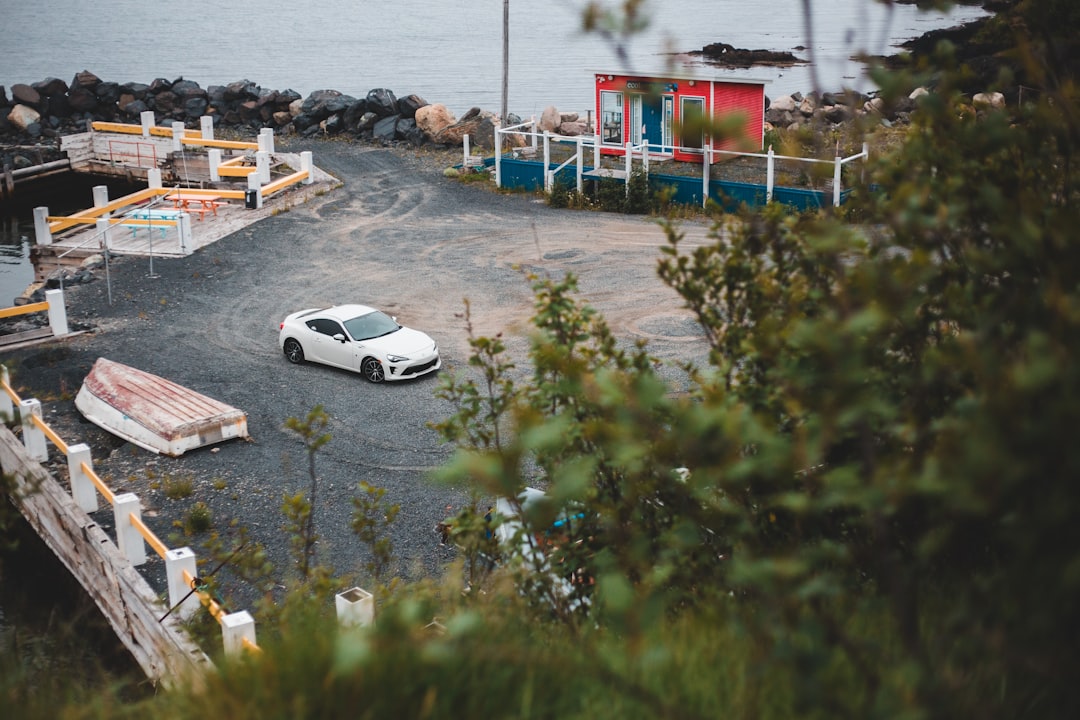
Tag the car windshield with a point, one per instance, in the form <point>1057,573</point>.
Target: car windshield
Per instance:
<point>373,325</point>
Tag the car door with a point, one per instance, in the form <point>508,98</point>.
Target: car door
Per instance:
<point>326,349</point>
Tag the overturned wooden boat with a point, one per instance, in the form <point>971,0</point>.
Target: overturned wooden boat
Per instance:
<point>154,413</point>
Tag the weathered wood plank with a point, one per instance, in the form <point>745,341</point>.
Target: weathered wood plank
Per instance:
<point>162,649</point>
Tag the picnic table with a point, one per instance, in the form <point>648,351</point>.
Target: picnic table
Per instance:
<point>195,203</point>
<point>150,214</point>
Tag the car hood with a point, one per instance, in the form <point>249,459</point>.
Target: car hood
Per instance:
<point>405,341</point>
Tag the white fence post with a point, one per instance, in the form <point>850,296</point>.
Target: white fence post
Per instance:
<point>177,562</point>
<point>266,140</point>
<point>465,149</point>
<point>549,178</point>
<point>178,136</point>
<point>57,312</point>
<point>104,229</point>
<point>580,165</point>
<point>42,235</point>
<point>307,164</point>
<point>235,628</point>
<point>146,117</point>
<point>213,156</point>
<point>33,437</point>
<point>128,539</point>
<point>153,178</point>
<point>262,166</point>
<point>82,487</point>
<point>355,607</point>
<point>770,167</point>
<point>206,127</point>
<point>837,167</point>
<point>498,156</point>
<point>629,164</point>
<point>706,156</point>
<point>7,406</point>
<point>183,230</point>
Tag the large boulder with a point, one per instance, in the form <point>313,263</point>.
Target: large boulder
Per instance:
<point>478,125</point>
<point>321,104</point>
<point>550,119</point>
<point>433,119</point>
<point>23,116</point>
<point>22,94</point>
<point>408,105</point>
<point>85,79</point>
<point>82,100</point>
<point>385,130</point>
<point>50,87</point>
<point>784,103</point>
<point>382,102</point>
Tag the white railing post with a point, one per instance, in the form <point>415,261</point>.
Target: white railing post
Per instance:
<point>57,312</point>
<point>213,157</point>
<point>837,166</point>
<point>549,178</point>
<point>235,628</point>
<point>42,235</point>
<point>580,165</point>
<point>262,166</point>
<point>181,598</point>
<point>206,127</point>
<point>770,167</point>
<point>706,156</point>
<point>629,164</point>
<point>355,607</point>
<point>82,487</point>
<point>498,156</point>
<point>266,140</point>
<point>128,539</point>
<point>178,136</point>
<point>253,185</point>
<point>146,117</point>
<point>33,437</point>
<point>307,164</point>
<point>153,178</point>
<point>183,233</point>
<point>535,125</point>
<point>596,152</point>
<point>104,230</point>
<point>101,197</point>
<point>7,406</point>
<point>465,150</point>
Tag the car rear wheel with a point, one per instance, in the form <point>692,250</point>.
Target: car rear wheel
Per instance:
<point>373,370</point>
<point>293,351</point>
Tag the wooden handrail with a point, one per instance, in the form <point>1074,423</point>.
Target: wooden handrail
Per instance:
<point>23,309</point>
<point>104,489</point>
<point>148,535</point>
<point>50,433</point>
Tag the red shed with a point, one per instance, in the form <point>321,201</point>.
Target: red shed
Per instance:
<point>636,108</point>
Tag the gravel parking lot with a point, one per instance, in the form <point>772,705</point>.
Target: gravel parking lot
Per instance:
<point>397,235</point>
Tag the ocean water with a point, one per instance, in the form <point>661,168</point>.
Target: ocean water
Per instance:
<point>446,51</point>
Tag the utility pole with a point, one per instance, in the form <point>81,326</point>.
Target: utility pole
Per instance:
<point>506,59</point>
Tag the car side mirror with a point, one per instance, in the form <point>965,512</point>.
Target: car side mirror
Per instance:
<point>340,338</point>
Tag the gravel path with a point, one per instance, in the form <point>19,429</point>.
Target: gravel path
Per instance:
<point>397,235</point>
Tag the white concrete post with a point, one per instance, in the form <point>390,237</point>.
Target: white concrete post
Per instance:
<point>629,164</point>
<point>7,406</point>
<point>235,628</point>
<point>307,164</point>
<point>178,561</point>
<point>57,312</point>
<point>128,539</point>
<point>355,607</point>
<point>770,170</point>
<point>178,136</point>
<point>535,125</point>
<point>214,158</point>
<point>596,152</point>
<point>101,197</point>
<point>206,127</point>
<point>837,167</point>
<point>253,184</point>
<point>465,147</point>
<point>153,178</point>
<point>498,158</point>
<point>33,436</point>
<point>146,117</point>
<point>82,487</point>
<point>183,231</point>
<point>266,140</point>
<point>104,228</point>
<point>262,166</point>
<point>42,236</point>
<point>580,165</point>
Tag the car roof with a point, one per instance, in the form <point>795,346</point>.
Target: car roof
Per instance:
<point>347,312</point>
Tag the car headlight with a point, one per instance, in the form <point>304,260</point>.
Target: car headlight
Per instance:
<point>396,358</point>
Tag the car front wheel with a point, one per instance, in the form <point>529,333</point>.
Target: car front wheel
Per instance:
<point>372,369</point>
<point>293,351</point>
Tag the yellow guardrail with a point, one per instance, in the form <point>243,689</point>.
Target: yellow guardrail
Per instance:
<point>23,309</point>
<point>282,183</point>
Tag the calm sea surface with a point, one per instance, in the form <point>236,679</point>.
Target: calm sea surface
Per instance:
<point>447,51</point>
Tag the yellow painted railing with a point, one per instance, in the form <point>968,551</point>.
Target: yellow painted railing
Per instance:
<point>24,309</point>
<point>282,183</point>
<point>190,137</point>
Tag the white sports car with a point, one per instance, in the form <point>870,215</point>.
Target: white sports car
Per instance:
<point>358,338</point>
